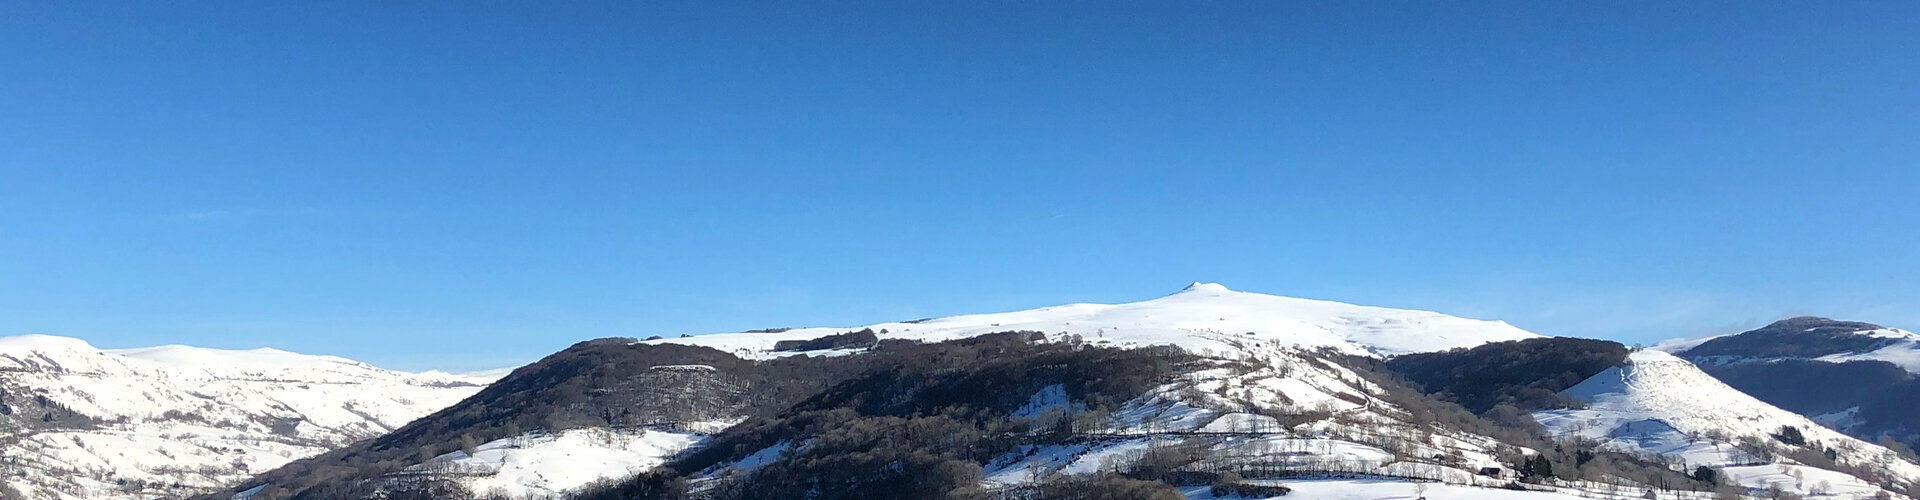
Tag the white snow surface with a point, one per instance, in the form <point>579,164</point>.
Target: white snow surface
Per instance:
<point>201,418</point>
<point>1800,480</point>
<point>1174,319</point>
<point>539,465</point>
<point>1229,407</point>
<point>1384,489</point>
<point>1904,351</point>
<point>1397,489</point>
<point>1659,403</point>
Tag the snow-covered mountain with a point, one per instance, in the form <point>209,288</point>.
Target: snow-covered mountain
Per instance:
<point>1262,404</point>
<point>1203,318</point>
<point>1179,319</point>
<point>1659,403</point>
<point>1260,383</point>
<point>77,422</point>
<point>1806,338</point>
<point>1859,378</point>
<point>1901,348</point>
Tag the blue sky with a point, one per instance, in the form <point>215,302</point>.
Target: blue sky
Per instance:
<point>466,185</point>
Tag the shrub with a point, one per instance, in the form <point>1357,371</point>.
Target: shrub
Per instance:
<point>1791,435</point>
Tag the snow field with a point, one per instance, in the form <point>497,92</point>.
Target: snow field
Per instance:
<point>539,465</point>
<point>192,417</point>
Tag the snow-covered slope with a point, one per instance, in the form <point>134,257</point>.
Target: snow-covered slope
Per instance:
<point>1175,319</point>
<point>1855,377</point>
<point>1266,398</point>
<point>81,422</point>
<point>1278,411</point>
<point>543,464</point>
<point>1659,403</point>
<point>1203,318</point>
<point>1903,349</point>
<point>1804,337</point>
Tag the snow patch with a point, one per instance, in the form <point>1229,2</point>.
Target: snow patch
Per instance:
<point>541,464</point>
<point>1052,396</point>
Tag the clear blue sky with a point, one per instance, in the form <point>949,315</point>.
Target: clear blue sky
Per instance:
<point>464,185</point>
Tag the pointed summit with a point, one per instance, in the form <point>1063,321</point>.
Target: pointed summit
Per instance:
<point>1202,286</point>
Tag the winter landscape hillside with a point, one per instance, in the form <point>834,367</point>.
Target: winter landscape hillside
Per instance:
<point>959,250</point>
<point>78,422</point>
<point>1857,378</point>
<point>1207,392</point>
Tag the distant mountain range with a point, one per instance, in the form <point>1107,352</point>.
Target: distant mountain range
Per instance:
<point>1204,393</point>
<point>172,421</point>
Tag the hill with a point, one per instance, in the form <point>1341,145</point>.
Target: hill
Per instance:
<point>77,422</point>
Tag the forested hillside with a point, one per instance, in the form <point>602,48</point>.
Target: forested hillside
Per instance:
<point>1526,374</point>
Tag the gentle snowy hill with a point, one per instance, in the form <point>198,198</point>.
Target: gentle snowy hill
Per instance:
<point>168,421</point>
<point>1659,403</point>
<point>1859,378</point>
<point>1175,320</point>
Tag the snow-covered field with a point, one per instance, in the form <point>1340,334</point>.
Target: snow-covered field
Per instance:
<point>1382,489</point>
<point>82,422</point>
<point>541,464</point>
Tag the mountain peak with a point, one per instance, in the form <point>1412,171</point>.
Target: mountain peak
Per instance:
<point>1819,324</point>
<point>1202,286</point>
<point>1801,337</point>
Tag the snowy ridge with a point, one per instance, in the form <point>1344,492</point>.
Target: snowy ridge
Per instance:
<point>1175,319</point>
<point>82,422</point>
<point>1901,347</point>
<point>1903,351</point>
<point>1659,403</point>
